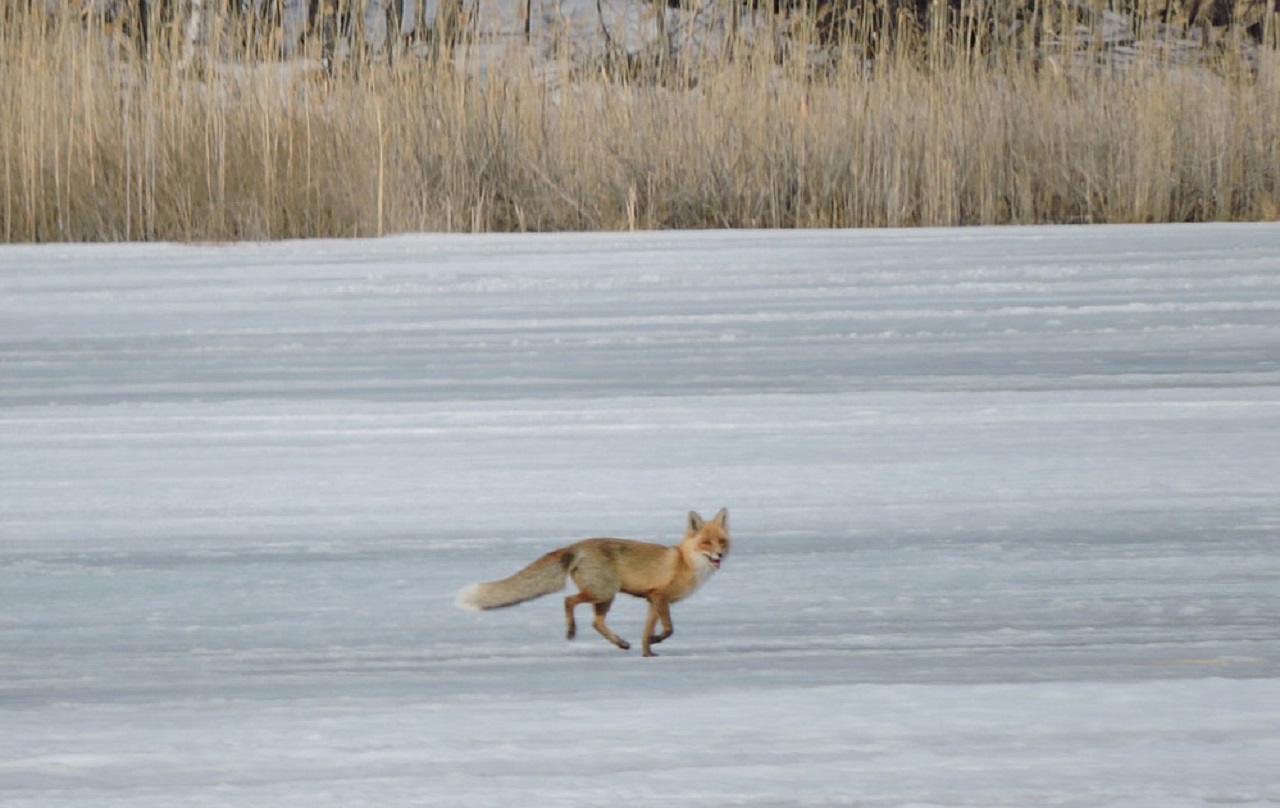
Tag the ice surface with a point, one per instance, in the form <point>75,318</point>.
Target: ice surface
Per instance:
<point>1004,504</point>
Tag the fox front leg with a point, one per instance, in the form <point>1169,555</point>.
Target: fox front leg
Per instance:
<point>659,609</point>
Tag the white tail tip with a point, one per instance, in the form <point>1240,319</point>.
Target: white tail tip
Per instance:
<point>469,598</point>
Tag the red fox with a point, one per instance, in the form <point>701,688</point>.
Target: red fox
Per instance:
<point>601,568</point>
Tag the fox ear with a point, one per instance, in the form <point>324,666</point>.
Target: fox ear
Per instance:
<point>722,518</point>
<point>695,522</point>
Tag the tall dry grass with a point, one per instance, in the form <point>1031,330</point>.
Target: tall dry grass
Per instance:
<point>100,143</point>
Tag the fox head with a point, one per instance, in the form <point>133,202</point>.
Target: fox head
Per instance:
<point>707,540</point>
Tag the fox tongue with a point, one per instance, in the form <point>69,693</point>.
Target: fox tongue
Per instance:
<point>715,562</point>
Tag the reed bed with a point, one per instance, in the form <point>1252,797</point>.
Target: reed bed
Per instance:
<point>99,143</point>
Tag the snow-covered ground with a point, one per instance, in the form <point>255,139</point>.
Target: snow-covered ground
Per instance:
<point>1005,508</point>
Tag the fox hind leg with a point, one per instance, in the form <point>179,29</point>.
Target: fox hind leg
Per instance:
<point>602,608</point>
<point>570,603</point>
<point>598,583</point>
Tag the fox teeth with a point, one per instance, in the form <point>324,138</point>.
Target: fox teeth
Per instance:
<point>714,558</point>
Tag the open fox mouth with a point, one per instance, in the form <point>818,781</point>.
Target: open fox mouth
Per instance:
<point>714,558</point>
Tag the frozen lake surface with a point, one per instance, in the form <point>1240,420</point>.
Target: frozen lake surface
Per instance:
<point>1004,504</point>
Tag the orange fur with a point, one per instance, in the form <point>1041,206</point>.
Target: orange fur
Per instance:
<point>601,568</point>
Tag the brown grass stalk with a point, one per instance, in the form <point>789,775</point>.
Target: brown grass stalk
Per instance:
<point>100,142</point>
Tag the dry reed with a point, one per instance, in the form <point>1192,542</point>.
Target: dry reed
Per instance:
<point>98,143</point>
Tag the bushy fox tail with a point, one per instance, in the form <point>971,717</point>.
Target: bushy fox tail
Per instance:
<point>542,577</point>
